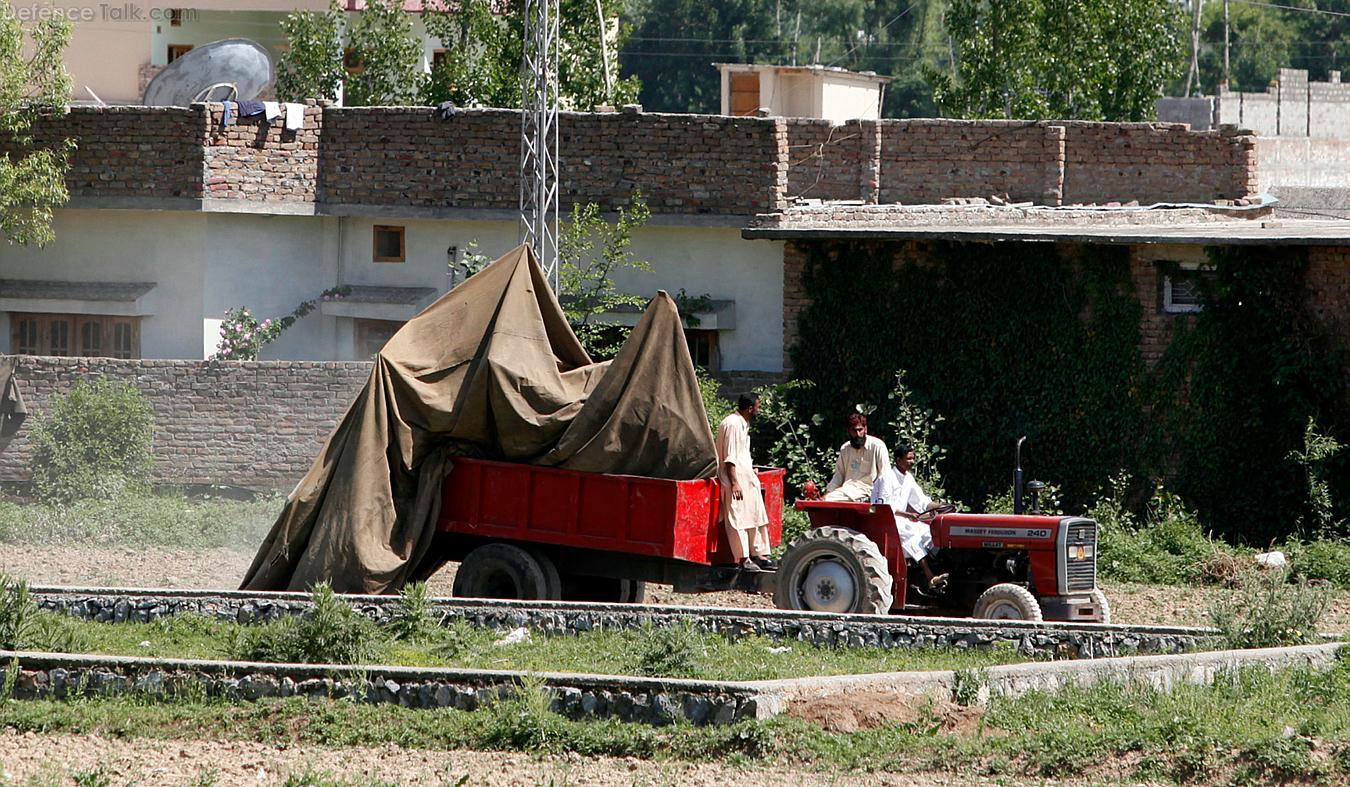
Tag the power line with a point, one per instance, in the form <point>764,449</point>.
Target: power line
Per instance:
<point>1320,11</point>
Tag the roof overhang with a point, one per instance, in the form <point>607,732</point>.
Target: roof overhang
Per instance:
<point>121,299</point>
<point>1235,233</point>
<point>379,303</point>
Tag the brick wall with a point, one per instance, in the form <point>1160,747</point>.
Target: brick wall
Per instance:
<point>927,160</point>
<point>831,162</point>
<point>1156,162</point>
<point>255,160</point>
<point>154,152</point>
<point>252,424</point>
<point>1328,285</point>
<point>681,163</point>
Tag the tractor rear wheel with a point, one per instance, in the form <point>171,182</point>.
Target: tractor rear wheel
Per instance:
<point>834,569</point>
<point>501,571</point>
<point>1007,602</point>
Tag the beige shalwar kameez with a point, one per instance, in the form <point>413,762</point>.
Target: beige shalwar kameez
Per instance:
<point>856,470</point>
<point>746,520</point>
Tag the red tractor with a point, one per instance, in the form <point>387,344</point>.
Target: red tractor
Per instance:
<point>1013,567</point>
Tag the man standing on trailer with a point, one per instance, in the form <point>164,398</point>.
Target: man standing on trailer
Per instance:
<point>861,460</point>
<point>743,512</point>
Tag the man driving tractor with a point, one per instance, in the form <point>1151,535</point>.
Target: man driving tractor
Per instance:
<point>897,488</point>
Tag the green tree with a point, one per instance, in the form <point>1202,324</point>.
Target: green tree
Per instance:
<point>33,82</point>
<point>386,55</point>
<point>590,251</point>
<point>1261,42</point>
<point>1071,59</point>
<point>94,442</point>
<point>311,66</point>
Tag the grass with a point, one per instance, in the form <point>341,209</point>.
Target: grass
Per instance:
<point>141,520</point>
<point>1250,727</point>
<point>708,656</point>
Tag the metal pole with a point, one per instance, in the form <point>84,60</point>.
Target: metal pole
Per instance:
<point>1225,42</point>
<point>539,135</point>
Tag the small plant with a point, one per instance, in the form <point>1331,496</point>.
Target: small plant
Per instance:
<point>330,633</point>
<point>672,651</point>
<point>1318,449</point>
<point>915,425</point>
<point>95,778</point>
<point>16,613</point>
<point>1267,611</point>
<point>591,251</point>
<point>714,404</point>
<point>471,262</point>
<point>968,685</point>
<point>411,619</point>
<point>242,335</point>
<point>792,442</point>
<point>94,442</point>
<point>524,719</point>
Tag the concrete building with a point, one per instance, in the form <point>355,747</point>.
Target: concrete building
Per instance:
<point>834,94</point>
<point>117,48</point>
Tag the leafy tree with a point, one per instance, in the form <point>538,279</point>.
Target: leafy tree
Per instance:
<point>1073,59</point>
<point>485,48</point>
<point>1261,42</point>
<point>590,250</point>
<point>311,67</point>
<point>94,442</point>
<point>33,82</point>
<point>386,55</point>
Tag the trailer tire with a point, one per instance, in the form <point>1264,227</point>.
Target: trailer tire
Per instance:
<point>1007,602</point>
<point>1100,599</point>
<point>500,571</point>
<point>552,580</point>
<point>604,589</point>
<point>834,569</point>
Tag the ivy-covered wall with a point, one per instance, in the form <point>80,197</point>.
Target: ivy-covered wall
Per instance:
<point>1065,343</point>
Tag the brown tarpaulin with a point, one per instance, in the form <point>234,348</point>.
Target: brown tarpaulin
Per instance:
<point>490,369</point>
<point>12,410</point>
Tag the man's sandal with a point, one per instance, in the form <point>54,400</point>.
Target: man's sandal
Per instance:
<point>938,582</point>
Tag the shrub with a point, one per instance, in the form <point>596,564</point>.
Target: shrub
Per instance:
<point>93,443</point>
<point>410,619</point>
<point>331,633</point>
<point>1269,611</point>
<point>672,651</point>
<point>16,613</point>
<point>1328,559</point>
<point>1168,547</point>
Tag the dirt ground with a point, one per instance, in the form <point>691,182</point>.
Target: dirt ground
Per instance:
<point>222,568</point>
<point>28,758</point>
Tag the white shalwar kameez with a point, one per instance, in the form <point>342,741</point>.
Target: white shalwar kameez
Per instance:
<point>902,493</point>
<point>856,470</point>
<point>746,520</point>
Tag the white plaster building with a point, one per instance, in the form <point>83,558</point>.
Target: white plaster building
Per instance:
<point>826,92</point>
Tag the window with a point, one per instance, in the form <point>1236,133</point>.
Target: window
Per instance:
<point>372,335</point>
<point>388,242</point>
<point>1184,287</point>
<point>178,50</point>
<point>703,348</point>
<point>88,335</point>
<point>437,57</point>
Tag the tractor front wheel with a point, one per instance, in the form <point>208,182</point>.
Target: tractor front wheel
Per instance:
<point>1007,602</point>
<point>1099,598</point>
<point>834,569</point>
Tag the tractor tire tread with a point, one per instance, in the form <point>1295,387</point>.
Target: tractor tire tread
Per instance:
<point>877,595</point>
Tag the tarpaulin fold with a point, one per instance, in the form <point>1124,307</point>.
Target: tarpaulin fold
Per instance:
<point>491,369</point>
<point>12,409</point>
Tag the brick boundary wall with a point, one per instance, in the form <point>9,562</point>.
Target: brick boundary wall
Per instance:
<point>681,163</point>
<point>256,160</point>
<point>255,424</point>
<point>155,152</point>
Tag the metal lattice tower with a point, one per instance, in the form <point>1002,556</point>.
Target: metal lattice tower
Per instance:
<point>539,135</point>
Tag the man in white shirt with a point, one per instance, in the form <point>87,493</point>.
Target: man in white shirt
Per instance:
<point>742,506</point>
<point>897,488</point>
<point>861,460</point>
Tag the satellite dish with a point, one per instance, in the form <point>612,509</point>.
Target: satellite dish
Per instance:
<point>236,63</point>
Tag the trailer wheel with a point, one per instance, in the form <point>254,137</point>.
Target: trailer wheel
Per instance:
<point>1007,602</point>
<point>834,569</point>
<point>1100,599</point>
<point>552,580</point>
<point>500,571</point>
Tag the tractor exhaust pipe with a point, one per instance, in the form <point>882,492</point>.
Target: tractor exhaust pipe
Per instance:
<point>1017,476</point>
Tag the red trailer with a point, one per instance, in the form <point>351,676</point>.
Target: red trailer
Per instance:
<point>530,532</point>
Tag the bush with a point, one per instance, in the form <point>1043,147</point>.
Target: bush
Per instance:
<point>16,613</point>
<point>1269,611</point>
<point>331,633</point>
<point>93,443</point>
<point>1168,547</point>
<point>1328,559</point>
<point>410,619</point>
<point>716,406</point>
<point>672,651</point>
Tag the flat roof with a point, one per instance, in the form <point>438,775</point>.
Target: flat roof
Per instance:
<point>1278,233</point>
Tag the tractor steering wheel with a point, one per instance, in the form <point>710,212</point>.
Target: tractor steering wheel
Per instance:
<point>932,513</point>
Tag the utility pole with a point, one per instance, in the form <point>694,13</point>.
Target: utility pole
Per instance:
<point>1193,75</point>
<point>1225,42</point>
<point>539,135</point>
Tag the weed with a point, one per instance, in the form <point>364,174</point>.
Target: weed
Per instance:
<point>1327,559</point>
<point>1279,759</point>
<point>95,778</point>
<point>1269,611</point>
<point>207,777</point>
<point>411,618</point>
<point>330,633</point>
<point>968,686</point>
<point>672,651</point>
<point>523,720</point>
<point>16,613</point>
